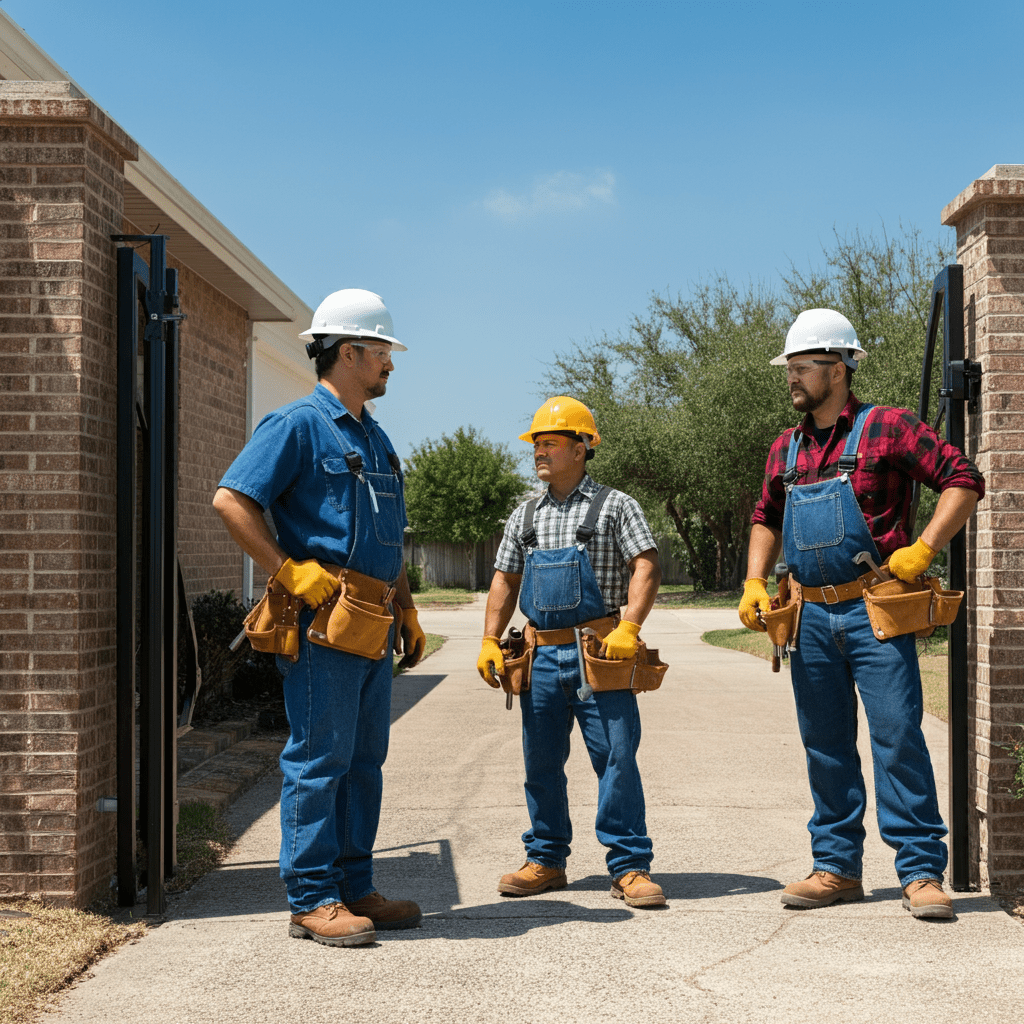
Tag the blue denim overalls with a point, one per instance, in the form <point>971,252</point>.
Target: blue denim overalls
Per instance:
<point>334,488</point>
<point>823,528</point>
<point>559,590</point>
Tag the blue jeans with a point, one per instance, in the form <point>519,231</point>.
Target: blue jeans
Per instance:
<point>837,650</point>
<point>339,713</point>
<point>610,723</point>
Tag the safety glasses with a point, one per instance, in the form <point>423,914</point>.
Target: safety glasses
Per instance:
<point>801,370</point>
<point>381,352</point>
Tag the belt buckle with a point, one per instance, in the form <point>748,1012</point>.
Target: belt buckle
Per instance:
<point>835,594</point>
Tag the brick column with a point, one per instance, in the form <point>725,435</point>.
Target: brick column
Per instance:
<point>61,197</point>
<point>989,221</point>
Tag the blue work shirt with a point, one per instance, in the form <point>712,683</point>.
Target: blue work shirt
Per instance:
<point>294,464</point>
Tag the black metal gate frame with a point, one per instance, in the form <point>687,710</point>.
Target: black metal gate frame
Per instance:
<point>156,660</point>
<point>961,382</point>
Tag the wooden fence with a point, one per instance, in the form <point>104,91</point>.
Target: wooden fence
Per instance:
<point>451,565</point>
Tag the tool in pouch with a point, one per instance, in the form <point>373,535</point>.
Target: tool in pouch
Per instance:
<point>782,621</point>
<point>517,654</point>
<point>896,607</point>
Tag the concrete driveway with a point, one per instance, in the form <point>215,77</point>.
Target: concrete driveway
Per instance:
<point>727,802</point>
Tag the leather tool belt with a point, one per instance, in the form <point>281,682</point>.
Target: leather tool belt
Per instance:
<point>272,625</point>
<point>358,618</point>
<point>841,591</point>
<point>556,637</point>
<point>517,653</point>
<point>896,607</point>
<point>644,671</point>
<point>782,621</point>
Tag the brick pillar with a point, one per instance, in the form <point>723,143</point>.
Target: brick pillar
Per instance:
<point>61,197</point>
<point>989,221</point>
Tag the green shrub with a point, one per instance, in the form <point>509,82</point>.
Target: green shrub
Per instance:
<point>415,576</point>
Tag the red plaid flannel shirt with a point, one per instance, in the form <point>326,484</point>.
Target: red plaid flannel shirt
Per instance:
<point>896,448</point>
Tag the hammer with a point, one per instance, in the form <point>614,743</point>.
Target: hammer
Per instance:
<point>864,558</point>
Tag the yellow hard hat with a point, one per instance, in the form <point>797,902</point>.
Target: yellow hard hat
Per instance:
<point>560,415</point>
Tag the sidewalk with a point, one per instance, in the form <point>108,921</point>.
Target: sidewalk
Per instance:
<point>727,805</point>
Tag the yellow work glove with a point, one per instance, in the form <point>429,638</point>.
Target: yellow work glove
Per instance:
<point>755,598</point>
<point>908,563</point>
<point>413,638</point>
<point>490,657</point>
<point>308,580</point>
<point>621,642</point>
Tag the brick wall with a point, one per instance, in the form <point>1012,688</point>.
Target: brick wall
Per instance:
<point>61,183</point>
<point>989,221</point>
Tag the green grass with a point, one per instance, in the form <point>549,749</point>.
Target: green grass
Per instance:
<point>682,595</point>
<point>203,843</point>
<point>931,654</point>
<point>443,597</point>
<point>434,643</point>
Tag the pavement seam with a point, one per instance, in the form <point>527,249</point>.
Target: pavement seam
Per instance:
<point>759,944</point>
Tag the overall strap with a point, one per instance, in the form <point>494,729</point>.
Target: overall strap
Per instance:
<point>353,459</point>
<point>789,477</point>
<point>528,535</point>
<point>848,460</point>
<point>587,528</point>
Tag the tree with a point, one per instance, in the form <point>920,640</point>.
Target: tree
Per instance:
<point>687,407</point>
<point>461,489</point>
<point>688,404</point>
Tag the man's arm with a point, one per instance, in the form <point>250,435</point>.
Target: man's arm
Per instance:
<point>243,516</point>
<point>501,601</point>
<point>954,508</point>
<point>644,580</point>
<point>763,551</point>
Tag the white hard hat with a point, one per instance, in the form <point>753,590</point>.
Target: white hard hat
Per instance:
<point>353,313</point>
<point>815,330</point>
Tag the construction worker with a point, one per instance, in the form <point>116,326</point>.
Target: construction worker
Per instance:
<point>333,484</point>
<point>573,557</point>
<point>838,485</point>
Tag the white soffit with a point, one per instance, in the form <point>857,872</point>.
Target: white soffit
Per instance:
<point>155,200</point>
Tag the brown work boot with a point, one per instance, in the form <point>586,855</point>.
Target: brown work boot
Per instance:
<point>387,914</point>
<point>530,879</point>
<point>925,898</point>
<point>820,888</point>
<point>637,889</point>
<point>332,925</point>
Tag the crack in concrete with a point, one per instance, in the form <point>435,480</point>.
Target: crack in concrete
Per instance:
<point>760,944</point>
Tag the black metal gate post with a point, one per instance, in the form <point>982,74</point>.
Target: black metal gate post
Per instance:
<point>960,383</point>
<point>153,649</point>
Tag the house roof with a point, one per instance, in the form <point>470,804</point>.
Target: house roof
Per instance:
<point>154,198</point>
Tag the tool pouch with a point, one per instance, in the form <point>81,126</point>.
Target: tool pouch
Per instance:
<point>517,654</point>
<point>896,607</point>
<point>644,671</point>
<point>782,621</point>
<point>272,625</point>
<point>358,618</point>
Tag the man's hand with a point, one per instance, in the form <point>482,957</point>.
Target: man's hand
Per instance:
<point>308,580</point>
<point>908,563</point>
<point>755,598</point>
<point>622,641</point>
<point>490,658</point>
<point>414,640</point>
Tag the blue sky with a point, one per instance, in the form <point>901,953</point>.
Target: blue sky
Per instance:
<point>516,177</point>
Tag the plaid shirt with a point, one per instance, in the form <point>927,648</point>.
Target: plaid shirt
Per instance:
<point>621,533</point>
<point>895,448</point>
